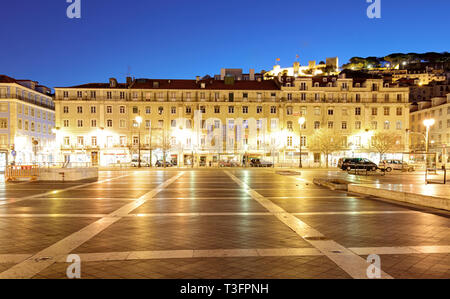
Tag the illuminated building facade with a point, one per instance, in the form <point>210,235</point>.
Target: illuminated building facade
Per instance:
<point>27,119</point>
<point>206,121</point>
<point>438,109</point>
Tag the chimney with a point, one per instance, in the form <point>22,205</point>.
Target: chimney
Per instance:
<point>197,79</point>
<point>222,74</point>
<point>112,82</point>
<point>252,75</point>
<point>129,81</point>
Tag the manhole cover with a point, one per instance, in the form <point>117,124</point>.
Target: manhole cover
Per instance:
<point>316,238</point>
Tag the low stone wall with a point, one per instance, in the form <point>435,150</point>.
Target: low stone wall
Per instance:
<point>413,198</point>
<point>68,174</point>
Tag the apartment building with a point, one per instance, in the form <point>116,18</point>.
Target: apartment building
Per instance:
<point>27,118</point>
<point>205,121</point>
<point>437,108</point>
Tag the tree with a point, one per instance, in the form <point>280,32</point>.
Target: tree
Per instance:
<point>326,142</point>
<point>383,143</point>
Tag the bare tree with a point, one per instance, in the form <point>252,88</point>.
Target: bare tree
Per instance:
<point>165,144</point>
<point>383,142</point>
<point>326,142</point>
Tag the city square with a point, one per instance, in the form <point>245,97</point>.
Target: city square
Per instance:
<point>218,223</point>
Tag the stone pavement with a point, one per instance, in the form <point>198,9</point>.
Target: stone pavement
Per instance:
<point>230,223</point>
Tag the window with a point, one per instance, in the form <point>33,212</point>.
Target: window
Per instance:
<point>216,109</point>
<point>79,94</point>
<point>344,111</point>
<point>245,109</point>
<point>317,125</point>
<point>303,97</point>
<point>65,94</point>
<point>173,110</point>
<point>399,98</point>
<point>273,109</point>
<point>67,141</point>
<point>121,109</point>
<point>387,111</point>
<point>386,125</point>
<point>358,98</point>
<point>3,123</point>
<point>19,124</point>
<point>93,109</point>
<point>93,94</point>
<point>231,124</point>
<point>147,110</point>
<point>80,140</point>
<point>79,109</point>
<point>289,141</point>
<point>94,141</point>
<point>135,140</point>
<point>289,96</point>
<point>230,109</point>
<point>358,111</point>
<point>188,110</point>
<point>274,123</point>
<point>135,110</point>
<point>316,110</point>
<point>109,95</point>
<point>80,123</point>
<point>122,95</point>
<point>344,125</point>
<point>330,111</point>
<point>374,125</point>
<point>122,123</point>
<point>259,109</point>
<point>93,123</point>
<point>217,124</point>
<point>123,140</point>
<point>289,110</point>
<point>398,125</point>
<point>202,109</point>
<point>289,125</point>
<point>374,111</point>
<point>65,110</point>
<point>358,125</point>
<point>173,123</point>
<point>109,123</point>
<point>399,111</point>
<point>330,125</point>
<point>303,140</point>
<point>148,123</point>
<point>160,110</point>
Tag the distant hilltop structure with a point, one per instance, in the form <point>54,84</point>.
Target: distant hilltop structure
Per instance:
<point>330,67</point>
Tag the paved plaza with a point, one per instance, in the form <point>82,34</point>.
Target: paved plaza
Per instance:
<point>216,223</point>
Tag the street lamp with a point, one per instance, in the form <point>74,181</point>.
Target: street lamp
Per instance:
<point>301,122</point>
<point>139,121</point>
<point>428,123</point>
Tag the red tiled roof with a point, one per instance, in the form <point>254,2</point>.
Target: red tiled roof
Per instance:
<point>209,84</point>
<point>6,79</point>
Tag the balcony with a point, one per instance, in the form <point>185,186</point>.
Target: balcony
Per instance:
<point>26,100</point>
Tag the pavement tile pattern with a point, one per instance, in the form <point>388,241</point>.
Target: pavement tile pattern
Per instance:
<point>208,210</point>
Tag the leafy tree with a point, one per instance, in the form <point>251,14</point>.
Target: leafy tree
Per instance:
<point>326,142</point>
<point>383,143</point>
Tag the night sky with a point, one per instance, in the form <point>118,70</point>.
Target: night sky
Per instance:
<point>185,38</point>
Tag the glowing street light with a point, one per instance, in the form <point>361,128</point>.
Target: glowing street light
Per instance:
<point>428,123</point>
<point>301,122</point>
<point>138,122</point>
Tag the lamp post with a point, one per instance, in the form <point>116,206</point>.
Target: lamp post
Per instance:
<point>138,122</point>
<point>301,122</point>
<point>428,123</point>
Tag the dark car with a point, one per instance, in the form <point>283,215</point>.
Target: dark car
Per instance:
<point>259,163</point>
<point>356,163</point>
<point>160,163</point>
<point>228,164</point>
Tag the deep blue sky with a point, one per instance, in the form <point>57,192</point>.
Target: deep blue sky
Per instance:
<point>185,38</point>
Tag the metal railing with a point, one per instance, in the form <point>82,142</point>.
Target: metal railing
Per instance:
<point>14,172</point>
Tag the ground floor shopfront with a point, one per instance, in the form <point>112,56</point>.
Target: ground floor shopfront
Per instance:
<point>288,158</point>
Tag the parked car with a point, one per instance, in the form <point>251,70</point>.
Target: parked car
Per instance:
<point>356,163</point>
<point>390,165</point>
<point>160,163</point>
<point>228,164</point>
<point>259,163</point>
<point>135,163</point>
